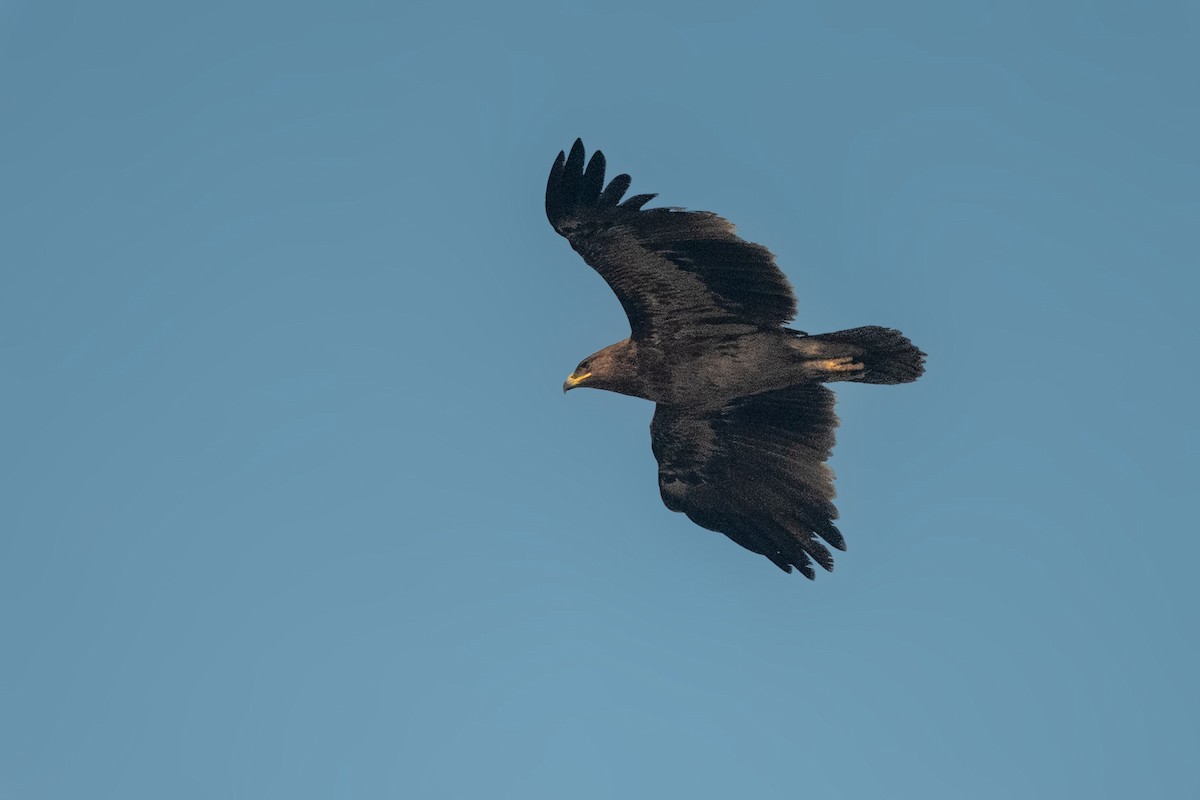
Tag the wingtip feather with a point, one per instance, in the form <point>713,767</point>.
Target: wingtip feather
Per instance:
<point>616,190</point>
<point>593,178</point>
<point>829,532</point>
<point>554,195</point>
<point>573,185</point>
<point>575,157</point>
<point>636,202</point>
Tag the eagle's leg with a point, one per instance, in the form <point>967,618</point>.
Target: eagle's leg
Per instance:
<point>842,368</point>
<point>870,354</point>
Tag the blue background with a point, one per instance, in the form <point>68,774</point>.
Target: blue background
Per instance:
<point>293,505</point>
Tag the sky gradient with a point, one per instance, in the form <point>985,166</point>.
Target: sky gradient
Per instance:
<point>293,505</point>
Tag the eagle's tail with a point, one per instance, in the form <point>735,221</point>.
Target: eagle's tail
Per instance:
<point>865,355</point>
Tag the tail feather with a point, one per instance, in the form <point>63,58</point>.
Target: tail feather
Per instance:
<point>886,355</point>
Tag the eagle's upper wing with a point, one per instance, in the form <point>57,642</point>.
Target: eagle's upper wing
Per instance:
<point>680,275</point>
<point>755,471</point>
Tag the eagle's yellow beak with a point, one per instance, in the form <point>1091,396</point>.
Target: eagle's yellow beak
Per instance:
<point>575,380</point>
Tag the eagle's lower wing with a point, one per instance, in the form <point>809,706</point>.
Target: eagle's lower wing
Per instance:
<point>755,471</point>
<point>680,275</point>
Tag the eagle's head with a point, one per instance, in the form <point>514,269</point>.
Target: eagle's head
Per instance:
<point>615,369</point>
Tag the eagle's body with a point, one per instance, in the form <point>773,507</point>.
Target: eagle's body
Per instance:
<point>756,361</point>
<point>742,427</point>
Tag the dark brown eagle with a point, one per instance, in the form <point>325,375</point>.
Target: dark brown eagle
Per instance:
<point>742,427</point>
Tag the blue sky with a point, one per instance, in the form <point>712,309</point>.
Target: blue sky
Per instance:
<point>294,505</point>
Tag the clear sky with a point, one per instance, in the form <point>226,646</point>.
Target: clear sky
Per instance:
<point>293,505</point>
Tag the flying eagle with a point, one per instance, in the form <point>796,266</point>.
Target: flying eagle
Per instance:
<point>742,426</point>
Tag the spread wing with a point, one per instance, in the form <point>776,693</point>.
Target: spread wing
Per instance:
<point>680,275</point>
<point>755,471</point>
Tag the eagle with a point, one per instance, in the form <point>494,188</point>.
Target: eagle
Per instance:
<point>743,425</point>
